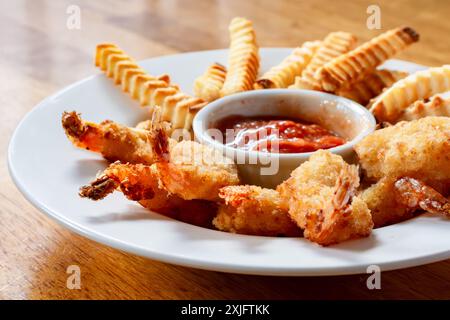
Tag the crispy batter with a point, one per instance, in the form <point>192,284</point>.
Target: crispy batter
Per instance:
<point>436,106</point>
<point>321,198</point>
<point>149,90</point>
<point>382,201</point>
<point>283,74</point>
<point>196,171</point>
<point>139,183</point>
<point>418,149</point>
<point>254,210</point>
<point>243,58</point>
<point>390,105</point>
<point>354,65</point>
<point>208,85</point>
<point>112,140</point>
<point>334,45</point>
<point>371,86</point>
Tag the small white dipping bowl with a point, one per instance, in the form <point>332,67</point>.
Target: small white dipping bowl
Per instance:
<point>347,118</point>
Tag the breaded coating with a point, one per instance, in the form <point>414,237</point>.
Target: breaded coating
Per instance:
<point>139,183</point>
<point>208,85</point>
<point>196,171</point>
<point>418,149</point>
<point>283,74</point>
<point>255,211</point>
<point>390,105</point>
<point>354,65</point>
<point>371,86</point>
<point>112,140</point>
<point>334,45</point>
<point>321,197</point>
<point>382,201</point>
<point>436,106</point>
<point>243,57</point>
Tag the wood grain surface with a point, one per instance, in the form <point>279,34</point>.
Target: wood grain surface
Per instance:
<point>40,55</point>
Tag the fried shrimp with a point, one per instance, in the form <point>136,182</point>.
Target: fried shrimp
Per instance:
<point>196,171</point>
<point>382,200</point>
<point>321,197</point>
<point>413,193</point>
<point>419,149</point>
<point>139,183</point>
<point>112,140</point>
<point>254,210</point>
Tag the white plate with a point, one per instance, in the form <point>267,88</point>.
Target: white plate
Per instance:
<point>48,170</point>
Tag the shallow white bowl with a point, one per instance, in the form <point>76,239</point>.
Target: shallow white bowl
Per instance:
<point>342,116</point>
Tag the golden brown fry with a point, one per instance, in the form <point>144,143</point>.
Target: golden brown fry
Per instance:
<point>243,58</point>
<point>352,66</point>
<point>437,106</point>
<point>419,149</point>
<point>371,86</point>
<point>254,210</point>
<point>147,89</point>
<point>334,45</point>
<point>390,105</point>
<point>112,140</point>
<point>321,198</point>
<point>208,85</point>
<point>283,74</point>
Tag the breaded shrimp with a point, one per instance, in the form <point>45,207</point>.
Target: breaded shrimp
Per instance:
<point>417,149</point>
<point>139,183</point>
<point>383,202</point>
<point>321,197</point>
<point>196,171</point>
<point>112,140</point>
<point>254,210</point>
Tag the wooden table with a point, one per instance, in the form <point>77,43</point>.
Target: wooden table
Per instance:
<point>39,55</point>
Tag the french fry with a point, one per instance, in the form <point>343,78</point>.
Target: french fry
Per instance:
<point>208,85</point>
<point>243,58</point>
<point>390,105</point>
<point>283,74</point>
<point>371,86</point>
<point>149,90</point>
<point>354,65</point>
<point>334,45</point>
<point>437,106</point>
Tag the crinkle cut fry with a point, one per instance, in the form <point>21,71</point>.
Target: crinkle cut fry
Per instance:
<point>390,105</point>
<point>352,66</point>
<point>371,86</point>
<point>208,85</point>
<point>243,58</point>
<point>436,106</point>
<point>147,89</point>
<point>334,45</point>
<point>283,74</point>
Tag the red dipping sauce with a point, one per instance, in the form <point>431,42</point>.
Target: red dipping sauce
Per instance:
<point>276,134</point>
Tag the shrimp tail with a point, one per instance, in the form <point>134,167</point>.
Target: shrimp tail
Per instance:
<point>73,124</point>
<point>99,188</point>
<point>415,194</point>
<point>345,188</point>
<point>158,136</point>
